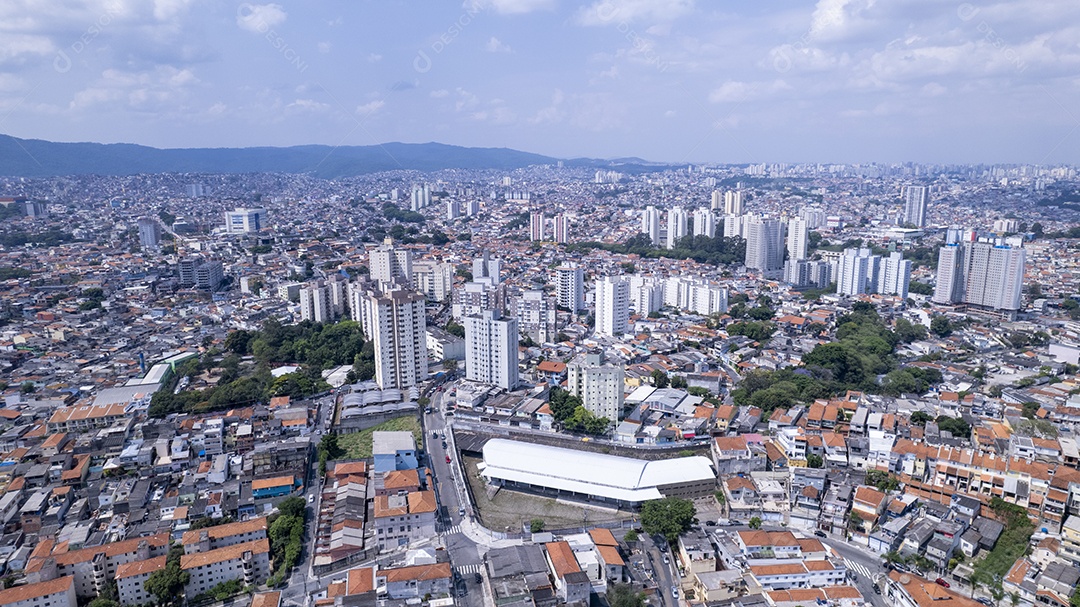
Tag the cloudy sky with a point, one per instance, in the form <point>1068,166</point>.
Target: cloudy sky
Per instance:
<point>669,80</point>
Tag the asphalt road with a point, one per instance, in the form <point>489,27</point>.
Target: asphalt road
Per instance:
<point>449,493</point>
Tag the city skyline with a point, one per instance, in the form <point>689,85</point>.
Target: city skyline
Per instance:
<point>666,80</point>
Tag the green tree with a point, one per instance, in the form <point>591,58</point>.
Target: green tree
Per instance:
<point>660,378</point>
<point>941,326</point>
<point>754,522</point>
<point>623,595</point>
<point>630,537</point>
<point>678,381</point>
<point>167,584</point>
<point>291,506</point>
<point>455,328</point>
<point>814,461</point>
<point>668,517</point>
<point>919,418</point>
<point>536,525</point>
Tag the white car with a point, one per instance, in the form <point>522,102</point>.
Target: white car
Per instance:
<point>675,591</point>
<point>311,498</point>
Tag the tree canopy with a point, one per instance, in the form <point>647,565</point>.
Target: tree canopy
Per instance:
<point>668,517</point>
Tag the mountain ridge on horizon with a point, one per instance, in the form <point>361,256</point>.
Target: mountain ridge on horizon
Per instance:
<point>41,158</point>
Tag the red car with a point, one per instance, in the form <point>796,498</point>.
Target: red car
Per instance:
<point>941,582</point>
<point>448,459</point>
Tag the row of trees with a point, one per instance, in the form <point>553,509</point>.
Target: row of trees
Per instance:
<point>702,249</point>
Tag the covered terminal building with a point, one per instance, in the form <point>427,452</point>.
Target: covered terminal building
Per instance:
<point>594,476</point>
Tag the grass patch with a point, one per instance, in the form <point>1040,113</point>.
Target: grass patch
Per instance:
<point>358,444</point>
<point>1010,547</point>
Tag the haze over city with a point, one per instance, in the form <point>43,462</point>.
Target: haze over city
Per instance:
<point>665,80</point>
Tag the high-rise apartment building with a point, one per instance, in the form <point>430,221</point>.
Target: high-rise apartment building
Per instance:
<point>676,226</point>
<point>390,263</point>
<point>434,279</point>
<point>491,345</point>
<point>916,198</point>
<point>650,224</point>
<point>895,275</point>
<point>421,197</point>
<point>704,223</point>
<point>733,202</point>
<point>717,202</point>
<point>599,386</point>
<point>536,226</point>
<point>851,272</point>
<point>487,267</point>
<point>536,316</point>
<point>612,306</point>
<point>562,228</point>
<point>646,294</point>
<point>395,322</point>
<point>765,245</point>
<point>982,274</point>
<point>315,302</point>
<point>570,287</point>
<point>804,273</point>
<point>798,233</point>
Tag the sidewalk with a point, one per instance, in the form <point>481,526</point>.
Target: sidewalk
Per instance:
<point>483,537</point>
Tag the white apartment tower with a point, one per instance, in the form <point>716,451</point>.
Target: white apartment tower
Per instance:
<point>395,323</point>
<point>536,226</point>
<point>765,245</point>
<point>599,386</point>
<point>491,349</point>
<point>570,287</point>
<point>981,274</point>
<point>733,202</point>
<point>486,267</point>
<point>916,198</point>
<point>612,306</point>
<point>650,224</point>
<point>536,316</point>
<point>704,223</point>
<point>315,302</point>
<point>851,272</point>
<point>717,202</point>
<point>798,233</point>
<point>388,263</point>
<point>676,225</point>
<point>895,276</point>
<point>562,228</point>
<point>434,279</point>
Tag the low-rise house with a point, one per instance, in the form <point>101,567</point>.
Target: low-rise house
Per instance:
<point>416,581</point>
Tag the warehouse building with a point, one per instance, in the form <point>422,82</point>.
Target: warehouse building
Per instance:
<point>594,476</point>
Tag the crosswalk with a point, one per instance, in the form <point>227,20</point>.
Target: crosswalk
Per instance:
<point>858,568</point>
<point>451,530</point>
<point>469,569</point>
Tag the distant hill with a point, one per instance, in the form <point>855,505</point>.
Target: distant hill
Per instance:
<point>38,158</point>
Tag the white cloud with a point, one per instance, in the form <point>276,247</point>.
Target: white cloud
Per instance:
<point>370,108</point>
<point>324,47</point>
<point>496,46</point>
<point>308,105</point>
<point>374,58</point>
<point>465,101</point>
<point>553,113</point>
<point>613,12</point>
<point>163,90</point>
<point>734,91</point>
<point>260,18</point>
<point>439,94</point>
<point>509,7</point>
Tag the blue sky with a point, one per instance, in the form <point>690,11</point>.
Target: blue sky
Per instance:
<point>669,80</point>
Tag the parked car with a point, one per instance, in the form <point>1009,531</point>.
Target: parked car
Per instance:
<point>941,582</point>
<point>820,533</point>
<point>461,511</point>
<point>448,459</point>
<point>479,579</point>
<point>675,591</point>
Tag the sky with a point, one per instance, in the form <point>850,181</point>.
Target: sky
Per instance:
<point>682,81</point>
